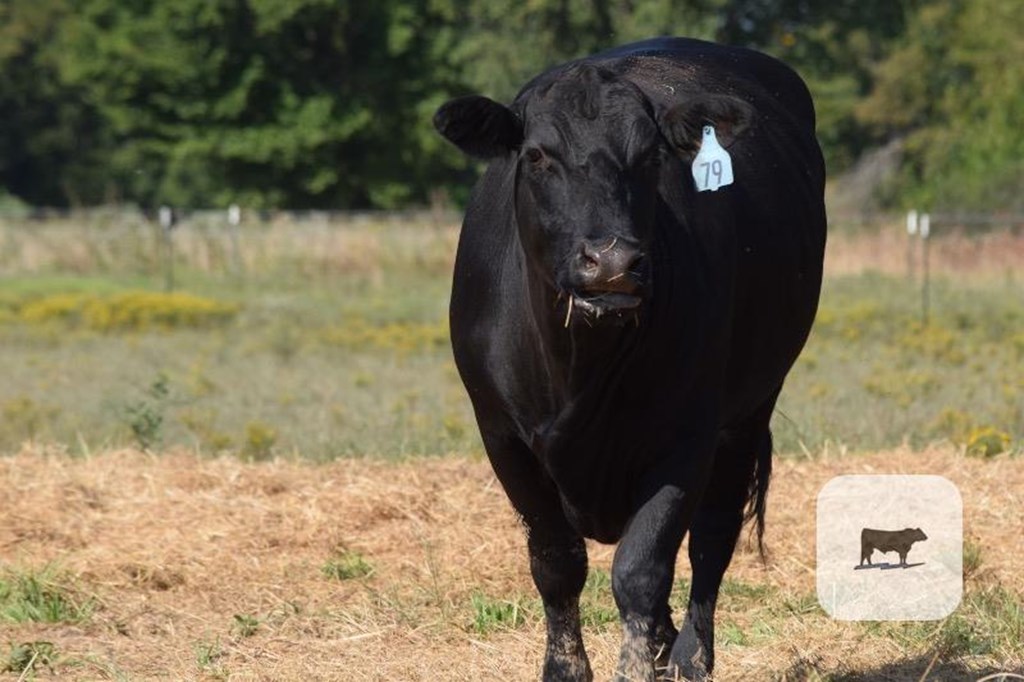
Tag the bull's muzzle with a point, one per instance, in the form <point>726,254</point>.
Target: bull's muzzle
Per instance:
<point>611,266</point>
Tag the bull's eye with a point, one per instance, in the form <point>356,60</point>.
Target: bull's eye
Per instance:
<point>534,155</point>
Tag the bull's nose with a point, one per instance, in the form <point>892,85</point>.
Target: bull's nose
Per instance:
<point>611,265</point>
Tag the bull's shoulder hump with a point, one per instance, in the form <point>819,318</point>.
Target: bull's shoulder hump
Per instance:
<point>667,64</point>
<point>695,56</point>
<point>666,69</point>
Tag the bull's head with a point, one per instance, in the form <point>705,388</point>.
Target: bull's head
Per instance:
<point>588,148</point>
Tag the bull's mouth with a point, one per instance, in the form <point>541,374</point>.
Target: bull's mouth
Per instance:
<point>611,305</point>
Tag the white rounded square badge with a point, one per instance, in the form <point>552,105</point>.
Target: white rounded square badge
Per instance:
<point>889,547</point>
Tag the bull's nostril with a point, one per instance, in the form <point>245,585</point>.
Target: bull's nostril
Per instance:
<point>610,265</point>
<point>589,261</point>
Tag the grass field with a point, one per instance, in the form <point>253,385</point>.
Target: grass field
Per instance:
<point>229,481</point>
<point>331,342</point>
<point>131,566</point>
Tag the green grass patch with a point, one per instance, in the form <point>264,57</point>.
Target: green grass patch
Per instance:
<point>873,376</point>
<point>490,615</point>
<point>741,593</point>
<point>208,653</point>
<point>597,605</point>
<point>347,565</point>
<point>45,595</point>
<point>25,658</point>
<point>245,625</point>
<point>989,622</point>
<point>972,559</point>
<point>730,634</point>
<point>299,354</point>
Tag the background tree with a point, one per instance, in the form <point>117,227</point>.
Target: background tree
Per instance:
<point>51,137</point>
<point>954,90</point>
<point>328,103</point>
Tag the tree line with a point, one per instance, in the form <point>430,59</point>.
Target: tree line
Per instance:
<point>327,103</point>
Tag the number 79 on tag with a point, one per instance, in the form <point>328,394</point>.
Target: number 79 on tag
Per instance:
<point>712,168</point>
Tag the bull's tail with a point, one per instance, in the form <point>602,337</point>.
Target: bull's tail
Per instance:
<point>757,489</point>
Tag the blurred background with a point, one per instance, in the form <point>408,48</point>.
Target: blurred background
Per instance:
<point>290,298</point>
<point>326,104</point>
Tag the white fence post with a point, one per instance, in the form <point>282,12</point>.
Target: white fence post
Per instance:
<point>234,220</point>
<point>911,233</point>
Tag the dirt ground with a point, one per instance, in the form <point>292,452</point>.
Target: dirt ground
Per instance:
<point>171,548</point>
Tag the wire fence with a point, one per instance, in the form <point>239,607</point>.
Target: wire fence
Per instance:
<point>238,242</point>
<point>309,243</point>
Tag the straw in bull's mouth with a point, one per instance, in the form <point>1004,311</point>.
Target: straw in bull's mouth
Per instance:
<point>602,304</point>
<point>594,307</point>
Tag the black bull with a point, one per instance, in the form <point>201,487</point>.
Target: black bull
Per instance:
<point>899,541</point>
<point>624,337</point>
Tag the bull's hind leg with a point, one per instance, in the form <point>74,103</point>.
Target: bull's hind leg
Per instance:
<point>558,556</point>
<point>743,457</point>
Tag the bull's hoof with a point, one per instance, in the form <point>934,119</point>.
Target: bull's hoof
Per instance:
<point>690,660</point>
<point>686,673</point>
<point>664,638</point>
<point>567,669</point>
<point>635,674</point>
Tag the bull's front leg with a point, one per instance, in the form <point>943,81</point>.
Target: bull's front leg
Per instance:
<point>558,555</point>
<point>644,567</point>
<point>559,568</point>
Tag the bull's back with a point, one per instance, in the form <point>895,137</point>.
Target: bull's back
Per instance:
<point>886,540</point>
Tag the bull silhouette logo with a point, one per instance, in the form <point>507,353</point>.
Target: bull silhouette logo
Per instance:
<point>899,541</point>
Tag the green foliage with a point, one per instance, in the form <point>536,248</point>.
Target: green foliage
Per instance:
<point>259,441</point>
<point>986,441</point>
<point>145,417</point>
<point>357,362</point>
<point>597,606</point>
<point>41,596</point>
<point>23,417</point>
<point>988,622</point>
<point>245,625</point>
<point>315,103</point>
<point>872,376</point>
<point>972,559</point>
<point>53,137</point>
<point>491,614</point>
<point>347,565</point>
<point>208,652</point>
<point>954,92</point>
<point>26,657</point>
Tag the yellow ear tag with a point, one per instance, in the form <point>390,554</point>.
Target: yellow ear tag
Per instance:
<point>713,166</point>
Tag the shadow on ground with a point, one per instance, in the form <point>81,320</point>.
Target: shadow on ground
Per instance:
<point>907,670</point>
<point>886,566</point>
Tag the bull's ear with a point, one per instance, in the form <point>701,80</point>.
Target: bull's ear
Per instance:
<point>683,123</point>
<point>479,126</point>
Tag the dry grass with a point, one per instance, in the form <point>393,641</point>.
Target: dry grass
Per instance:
<point>955,253</point>
<point>320,245</point>
<point>174,547</point>
<point>317,246</point>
